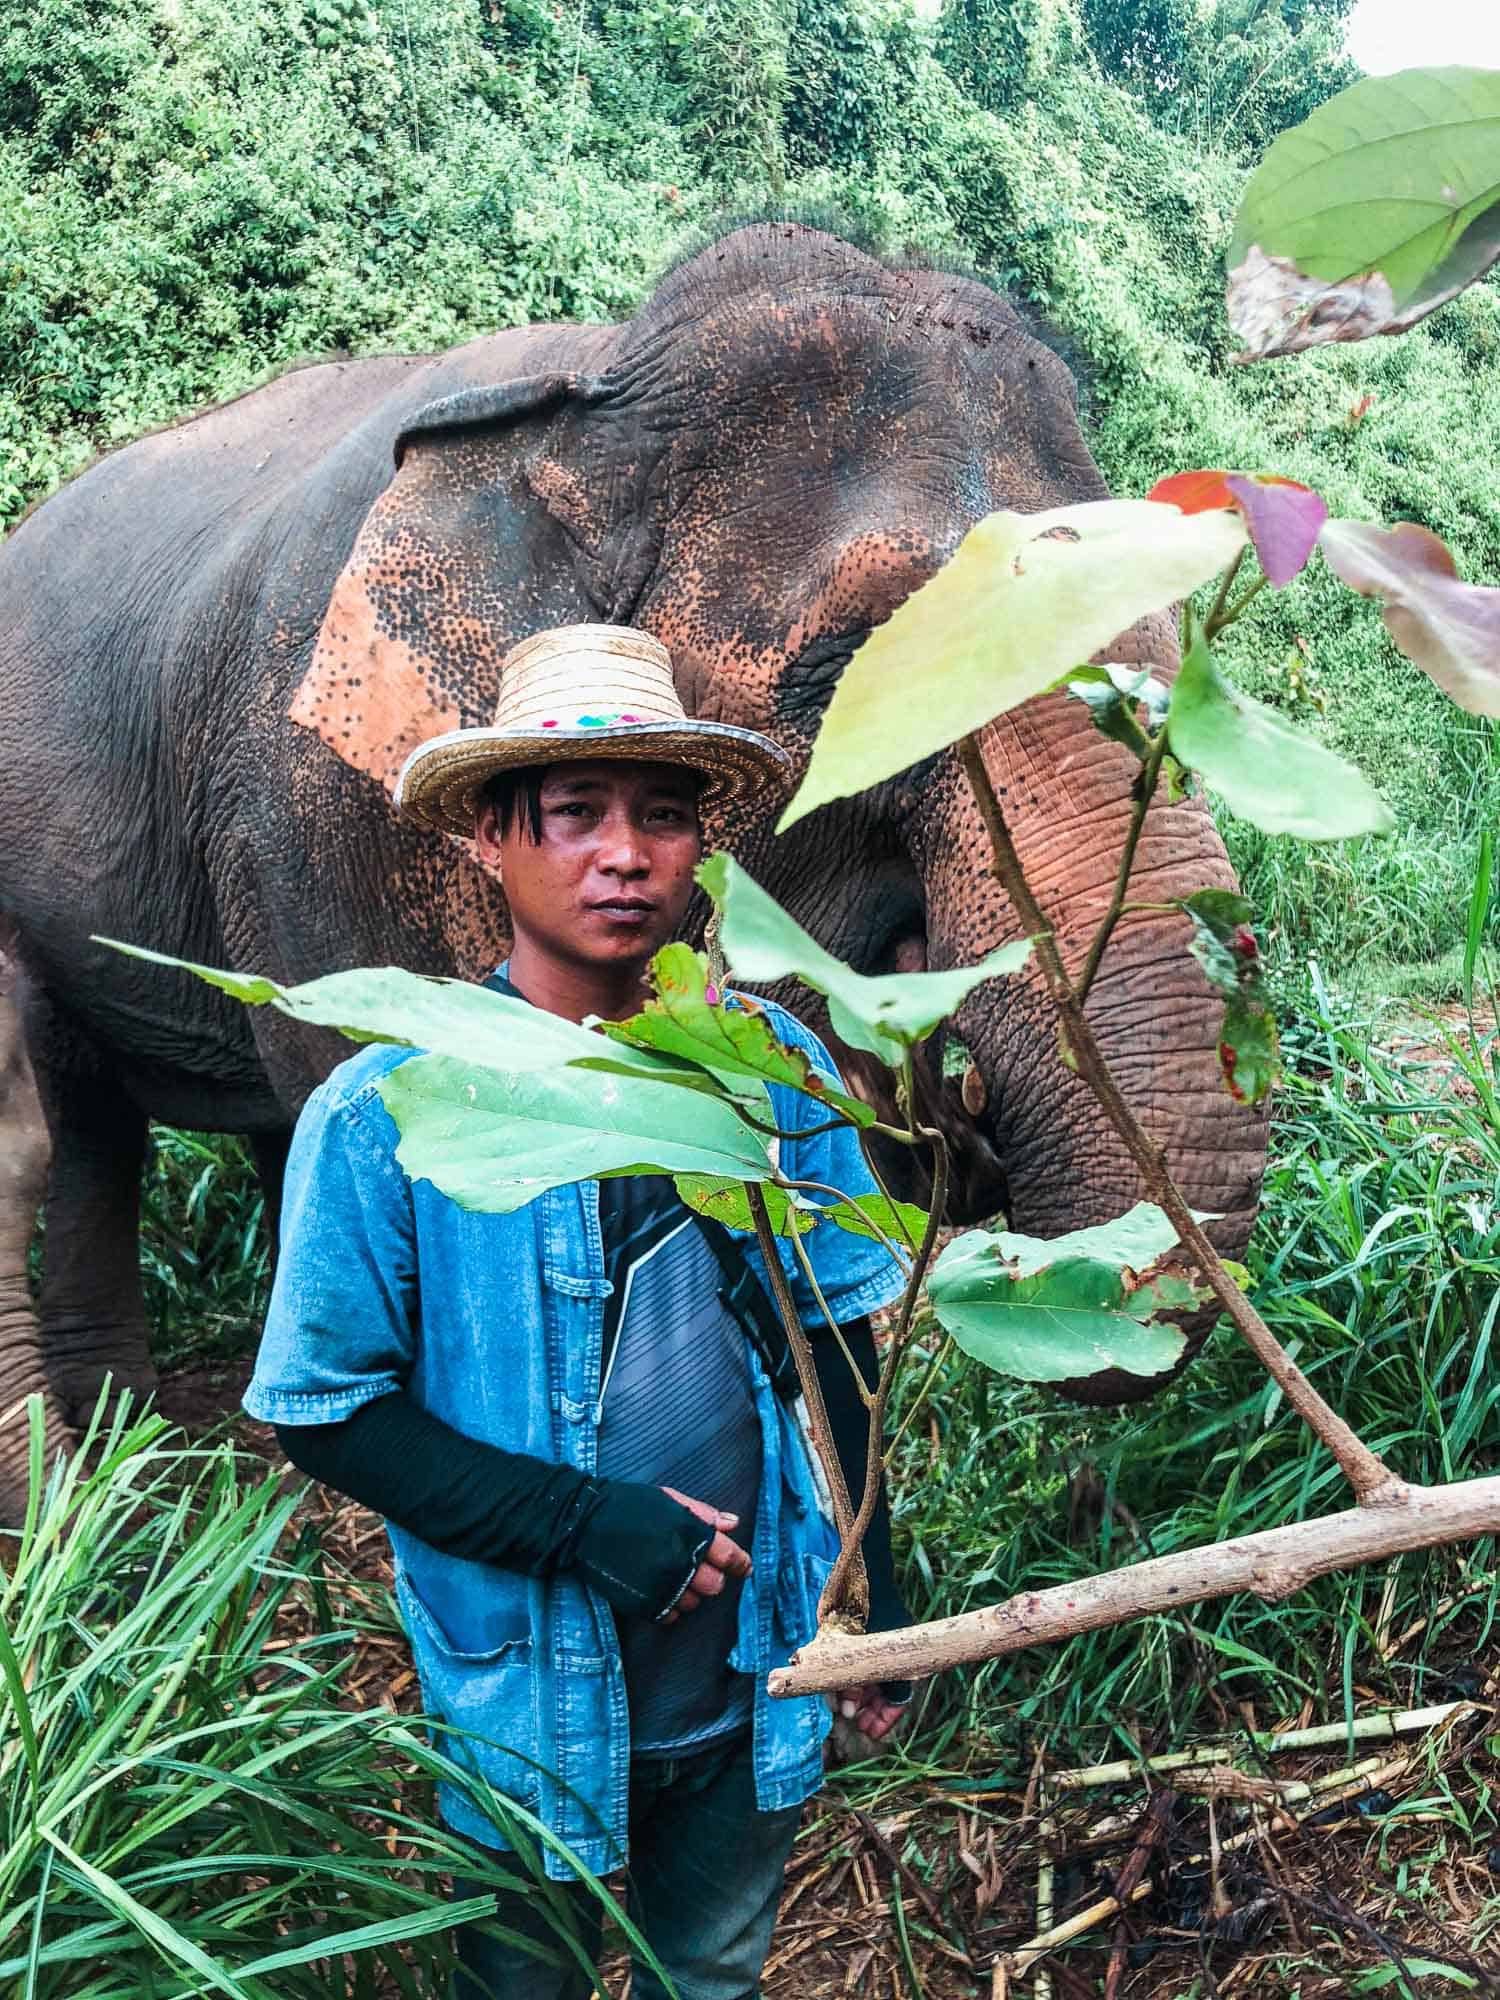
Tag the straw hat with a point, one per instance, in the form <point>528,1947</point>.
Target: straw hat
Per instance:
<point>583,691</point>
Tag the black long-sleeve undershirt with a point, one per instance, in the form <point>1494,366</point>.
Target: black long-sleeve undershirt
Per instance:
<point>636,1545</point>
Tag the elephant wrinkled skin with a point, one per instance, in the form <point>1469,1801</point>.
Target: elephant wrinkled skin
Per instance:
<point>220,642</point>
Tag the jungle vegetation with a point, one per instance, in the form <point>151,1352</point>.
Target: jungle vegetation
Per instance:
<point>195,193</point>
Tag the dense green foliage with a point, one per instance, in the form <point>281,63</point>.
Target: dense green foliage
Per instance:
<point>196,1799</point>
<point>192,196</point>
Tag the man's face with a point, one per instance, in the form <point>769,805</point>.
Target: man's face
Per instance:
<point>609,880</point>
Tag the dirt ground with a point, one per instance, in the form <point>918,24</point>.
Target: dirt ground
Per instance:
<point>1299,1879</point>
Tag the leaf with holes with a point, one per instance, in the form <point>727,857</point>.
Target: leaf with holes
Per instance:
<point>882,1013</point>
<point>1021,601</point>
<point>726,1201</point>
<point>1370,214</point>
<point>494,1142</point>
<point>1263,769</point>
<point>730,1037</point>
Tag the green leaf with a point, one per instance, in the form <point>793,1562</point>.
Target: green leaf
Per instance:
<point>726,1201</point>
<point>494,1142</point>
<point>1111,695</point>
<point>902,1221</point>
<point>1024,597</point>
<point>1067,1320</point>
<point>1266,771</point>
<point>1371,213</point>
<point>447,1017</point>
<point>1419,1968</point>
<point>1249,1048</point>
<point>882,1013</point>
<point>1133,1241</point>
<point>735,1039</point>
<point>1223,942</point>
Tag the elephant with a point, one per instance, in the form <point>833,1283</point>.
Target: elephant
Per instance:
<point>221,640</point>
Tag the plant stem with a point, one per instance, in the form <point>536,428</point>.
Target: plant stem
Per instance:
<point>1369,1477</point>
<point>1145,792</point>
<point>1220,618</point>
<point>852,1613</point>
<point>876,1456</point>
<point>837,1331</point>
<point>921,1396</point>
<point>1226,583</point>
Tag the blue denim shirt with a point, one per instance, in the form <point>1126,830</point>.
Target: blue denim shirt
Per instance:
<point>494,1324</point>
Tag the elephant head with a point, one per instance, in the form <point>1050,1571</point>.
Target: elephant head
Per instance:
<point>786,441</point>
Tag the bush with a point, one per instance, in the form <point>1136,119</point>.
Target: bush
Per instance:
<point>192,1801</point>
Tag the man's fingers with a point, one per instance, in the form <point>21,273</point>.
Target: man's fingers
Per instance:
<point>715,1516</point>
<point>727,1556</point>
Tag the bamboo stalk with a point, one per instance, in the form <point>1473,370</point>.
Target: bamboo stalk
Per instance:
<point>1354,1780</point>
<point>1385,1726</point>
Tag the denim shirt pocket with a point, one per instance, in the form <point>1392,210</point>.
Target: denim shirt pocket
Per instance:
<point>483,1705</point>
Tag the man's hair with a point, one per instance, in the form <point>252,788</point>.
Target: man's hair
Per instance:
<point>516,796</point>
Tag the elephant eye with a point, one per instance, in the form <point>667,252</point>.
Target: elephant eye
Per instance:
<point>808,683</point>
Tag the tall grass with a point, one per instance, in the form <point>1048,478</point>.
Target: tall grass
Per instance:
<point>190,1801</point>
<point>1377,1261</point>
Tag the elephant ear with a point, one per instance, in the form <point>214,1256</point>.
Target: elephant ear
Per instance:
<point>472,545</point>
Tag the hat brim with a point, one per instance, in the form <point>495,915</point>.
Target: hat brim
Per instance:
<point>441,779</point>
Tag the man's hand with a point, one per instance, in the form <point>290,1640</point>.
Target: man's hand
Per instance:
<point>721,1559</point>
<point>866,1709</point>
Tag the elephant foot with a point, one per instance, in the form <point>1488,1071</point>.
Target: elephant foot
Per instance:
<point>85,1358</point>
<point>22,1378</point>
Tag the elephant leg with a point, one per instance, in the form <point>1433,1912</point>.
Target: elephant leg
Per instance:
<point>24,1153</point>
<point>269,1150</point>
<point>92,1312</point>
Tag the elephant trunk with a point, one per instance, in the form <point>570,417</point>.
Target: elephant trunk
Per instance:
<point>1031,1139</point>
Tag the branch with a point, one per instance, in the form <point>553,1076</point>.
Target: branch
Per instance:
<point>1370,1478</point>
<point>1272,1565</point>
<point>854,1581</point>
<point>1145,792</point>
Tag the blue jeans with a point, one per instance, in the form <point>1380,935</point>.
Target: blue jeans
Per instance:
<point>705,1879</point>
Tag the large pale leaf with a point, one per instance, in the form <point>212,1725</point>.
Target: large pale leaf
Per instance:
<point>1050,1312</point>
<point>1372,212</point>
<point>882,1013</point>
<point>494,1142</point>
<point>729,1039</point>
<point>1024,598</point>
<point>449,1017</point>
<point>1449,628</point>
<point>1266,771</point>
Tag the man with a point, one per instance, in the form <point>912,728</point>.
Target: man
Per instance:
<point>573,1417</point>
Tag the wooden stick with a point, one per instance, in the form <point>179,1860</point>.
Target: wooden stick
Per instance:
<point>1272,1565</point>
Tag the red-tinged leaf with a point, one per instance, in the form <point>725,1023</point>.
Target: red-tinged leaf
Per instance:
<point>1283,518</point>
<point>1249,1051</point>
<point>1281,515</point>
<point>1194,492</point>
<point>1449,628</point>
